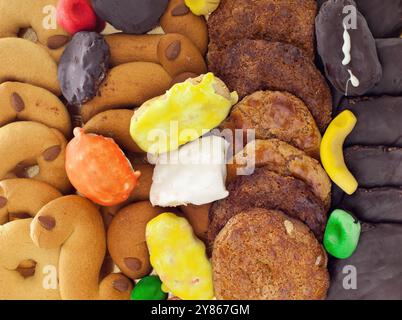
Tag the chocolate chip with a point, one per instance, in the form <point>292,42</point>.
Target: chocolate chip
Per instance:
<point>52,153</point>
<point>47,222</point>
<point>18,216</point>
<point>57,42</point>
<point>3,202</point>
<point>180,10</point>
<point>20,170</point>
<point>26,268</point>
<point>173,50</point>
<point>133,264</point>
<point>121,285</point>
<point>17,102</point>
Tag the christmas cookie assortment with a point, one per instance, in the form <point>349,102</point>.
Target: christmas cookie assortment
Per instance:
<point>200,149</point>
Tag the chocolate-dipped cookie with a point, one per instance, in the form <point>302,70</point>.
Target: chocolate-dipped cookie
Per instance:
<point>390,53</point>
<point>131,16</point>
<point>83,67</point>
<point>375,166</point>
<point>374,270</point>
<point>347,48</point>
<point>378,120</point>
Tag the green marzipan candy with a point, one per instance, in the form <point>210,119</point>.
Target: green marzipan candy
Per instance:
<point>149,288</point>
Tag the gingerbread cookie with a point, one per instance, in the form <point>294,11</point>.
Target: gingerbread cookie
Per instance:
<point>23,198</point>
<point>25,61</point>
<point>126,238</point>
<point>33,150</point>
<point>73,225</point>
<point>23,101</point>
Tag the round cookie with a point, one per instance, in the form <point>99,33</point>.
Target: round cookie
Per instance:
<point>25,61</point>
<point>73,225</point>
<point>33,150</point>
<point>129,84</point>
<point>23,198</point>
<point>285,160</point>
<point>275,114</point>
<point>114,124</point>
<point>269,190</point>
<point>246,67</point>
<point>138,16</point>
<point>23,101</point>
<point>266,255</point>
<point>197,216</point>
<point>83,66</point>
<point>126,238</point>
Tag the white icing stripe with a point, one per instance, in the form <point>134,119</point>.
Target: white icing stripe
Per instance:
<point>346,46</point>
<point>355,82</point>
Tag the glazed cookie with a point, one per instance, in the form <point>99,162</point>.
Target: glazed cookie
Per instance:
<point>274,114</point>
<point>114,124</point>
<point>22,101</point>
<point>33,151</point>
<point>266,189</point>
<point>265,255</point>
<point>25,268</point>
<point>246,68</point>
<point>73,225</point>
<point>285,160</point>
<point>23,198</point>
<point>83,67</point>
<point>173,51</point>
<point>348,51</point>
<point>179,19</point>
<point>271,20</point>
<point>378,120</point>
<point>126,238</point>
<point>129,84</point>
<point>38,15</point>
<point>25,61</point>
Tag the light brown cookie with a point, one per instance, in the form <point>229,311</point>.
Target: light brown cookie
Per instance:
<point>126,238</point>
<point>23,198</point>
<point>33,150</point>
<point>198,218</point>
<point>23,101</point>
<point>280,115</point>
<point>266,255</point>
<point>25,61</point>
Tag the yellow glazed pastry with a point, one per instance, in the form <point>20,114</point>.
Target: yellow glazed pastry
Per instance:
<point>179,258</point>
<point>332,151</point>
<point>202,7</point>
<point>186,112</point>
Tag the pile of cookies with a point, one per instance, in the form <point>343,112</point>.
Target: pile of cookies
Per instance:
<point>172,149</point>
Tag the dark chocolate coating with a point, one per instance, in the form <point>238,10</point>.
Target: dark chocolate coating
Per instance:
<point>375,166</point>
<point>384,17</point>
<point>379,120</point>
<point>378,265</point>
<point>83,66</point>
<point>372,205</point>
<point>131,16</point>
<point>364,64</point>
<point>390,53</point>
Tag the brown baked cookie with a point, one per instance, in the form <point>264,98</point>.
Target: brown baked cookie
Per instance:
<point>271,20</point>
<point>197,216</point>
<point>269,190</point>
<point>282,158</point>
<point>126,238</point>
<point>275,114</point>
<point>251,65</point>
<point>266,255</point>
<point>114,124</point>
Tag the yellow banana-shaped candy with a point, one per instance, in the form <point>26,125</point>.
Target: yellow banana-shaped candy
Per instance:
<point>202,7</point>
<point>179,258</point>
<point>332,151</point>
<point>186,112</point>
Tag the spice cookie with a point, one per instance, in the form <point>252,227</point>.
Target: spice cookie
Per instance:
<point>23,198</point>
<point>25,61</point>
<point>269,190</point>
<point>73,225</point>
<point>275,114</point>
<point>265,255</point>
<point>246,67</point>
<point>23,101</point>
<point>33,150</point>
<point>126,238</point>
